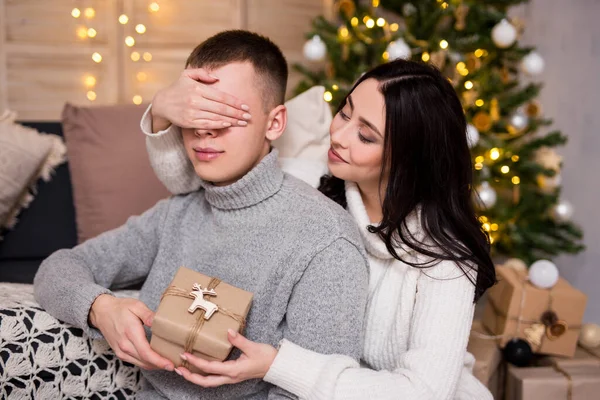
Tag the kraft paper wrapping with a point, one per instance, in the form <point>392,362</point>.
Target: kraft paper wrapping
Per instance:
<point>173,322</point>
<point>488,368</point>
<point>509,314</point>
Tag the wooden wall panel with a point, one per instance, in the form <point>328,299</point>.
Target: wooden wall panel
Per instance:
<point>43,62</point>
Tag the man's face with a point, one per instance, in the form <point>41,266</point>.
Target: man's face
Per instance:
<point>222,156</point>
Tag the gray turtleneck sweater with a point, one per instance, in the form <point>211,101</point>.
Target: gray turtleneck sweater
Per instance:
<point>268,233</point>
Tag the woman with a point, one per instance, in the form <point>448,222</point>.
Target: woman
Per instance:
<point>400,164</point>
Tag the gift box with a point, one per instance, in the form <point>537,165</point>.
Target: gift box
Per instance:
<point>488,368</point>
<point>582,357</point>
<point>549,319</point>
<point>550,383</point>
<point>194,315</point>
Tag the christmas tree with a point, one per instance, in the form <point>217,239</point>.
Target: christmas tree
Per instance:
<point>475,44</point>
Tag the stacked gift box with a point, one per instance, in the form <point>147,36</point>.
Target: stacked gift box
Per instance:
<point>526,346</point>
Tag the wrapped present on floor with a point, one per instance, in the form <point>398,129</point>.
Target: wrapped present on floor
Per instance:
<point>553,383</point>
<point>488,366</point>
<point>582,357</point>
<point>194,315</point>
<point>548,319</point>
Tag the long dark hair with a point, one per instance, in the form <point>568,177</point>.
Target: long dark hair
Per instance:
<point>429,164</point>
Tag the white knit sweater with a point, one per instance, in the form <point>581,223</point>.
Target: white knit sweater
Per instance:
<point>418,321</point>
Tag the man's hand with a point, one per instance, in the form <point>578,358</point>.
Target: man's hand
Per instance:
<point>122,321</point>
<point>191,102</point>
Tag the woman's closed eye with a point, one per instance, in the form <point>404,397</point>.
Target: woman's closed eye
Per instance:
<point>344,116</point>
<point>364,139</point>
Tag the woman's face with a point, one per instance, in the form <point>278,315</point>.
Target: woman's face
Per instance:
<point>357,134</point>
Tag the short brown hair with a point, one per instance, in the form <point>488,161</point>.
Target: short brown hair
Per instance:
<point>244,46</point>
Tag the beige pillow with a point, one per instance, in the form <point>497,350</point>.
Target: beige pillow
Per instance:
<point>25,156</point>
<point>110,171</point>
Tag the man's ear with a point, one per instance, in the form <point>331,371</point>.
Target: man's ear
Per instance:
<point>276,122</point>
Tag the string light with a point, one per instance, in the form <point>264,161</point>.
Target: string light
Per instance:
<point>479,102</point>
<point>129,41</point>
<point>141,76</point>
<point>505,169</point>
<point>147,57</point>
<point>494,227</point>
<point>154,7</point>
<point>486,227</point>
<point>394,27</point>
<point>494,153</point>
<point>76,13</point>
<point>443,44</point>
<point>137,99</point>
<point>91,95</point>
<point>335,87</point>
<point>385,55</point>
<point>91,32</point>
<point>425,57</point>
<point>89,13</point>
<point>89,81</point>
<point>343,32</point>
<point>375,3</point>
<point>123,19</point>
<point>380,22</point>
<point>515,158</point>
<point>135,56</point>
<point>82,32</point>
<point>516,180</point>
<point>354,21</point>
<point>478,53</point>
<point>97,57</point>
<point>366,18</point>
<point>478,166</point>
<point>468,85</point>
<point>370,23</point>
<point>479,159</point>
<point>444,5</point>
<point>140,28</point>
<point>327,96</point>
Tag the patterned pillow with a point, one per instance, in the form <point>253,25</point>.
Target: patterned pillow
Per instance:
<point>43,358</point>
<point>25,156</point>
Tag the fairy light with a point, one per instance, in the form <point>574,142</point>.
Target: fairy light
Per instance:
<point>375,3</point>
<point>468,85</point>
<point>516,180</point>
<point>479,103</point>
<point>97,57</point>
<point>135,56</point>
<point>479,159</point>
<point>89,81</point>
<point>483,219</point>
<point>444,5</point>
<point>354,21</point>
<point>365,19</point>
<point>505,169</point>
<point>478,166</point>
<point>137,99</point>
<point>443,44</point>
<point>141,76</point>
<point>89,13</point>
<point>380,22</point>
<point>76,13</point>
<point>515,158</point>
<point>394,27</point>
<point>486,227</point>
<point>478,53</point>
<point>154,7</point>
<point>91,32</point>
<point>140,28</point>
<point>91,95</point>
<point>343,32</point>
<point>123,19</point>
<point>147,56</point>
<point>385,56</point>
<point>494,227</point>
<point>425,57</point>
<point>494,153</point>
<point>82,32</point>
<point>370,23</point>
<point>335,87</point>
<point>327,96</point>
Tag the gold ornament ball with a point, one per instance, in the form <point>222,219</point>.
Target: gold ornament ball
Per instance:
<point>590,336</point>
<point>516,264</point>
<point>533,109</point>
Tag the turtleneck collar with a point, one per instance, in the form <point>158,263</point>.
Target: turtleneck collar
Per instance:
<point>373,243</point>
<point>262,182</point>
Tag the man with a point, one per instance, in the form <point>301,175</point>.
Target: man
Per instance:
<point>249,225</point>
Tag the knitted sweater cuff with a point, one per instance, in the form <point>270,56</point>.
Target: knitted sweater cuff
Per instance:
<point>146,125</point>
<point>296,369</point>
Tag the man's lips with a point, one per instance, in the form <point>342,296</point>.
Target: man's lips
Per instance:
<point>206,150</point>
<point>206,153</point>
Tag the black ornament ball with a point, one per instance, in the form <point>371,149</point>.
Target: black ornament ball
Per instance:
<point>518,352</point>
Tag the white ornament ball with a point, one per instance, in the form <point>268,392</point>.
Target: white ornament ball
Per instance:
<point>532,64</point>
<point>398,49</point>
<point>504,34</point>
<point>472,135</point>
<point>487,195</point>
<point>563,211</point>
<point>315,49</point>
<point>518,121</point>
<point>517,264</point>
<point>589,336</point>
<point>543,274</point>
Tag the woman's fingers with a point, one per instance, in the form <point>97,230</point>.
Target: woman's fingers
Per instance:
<point>204,381</point>
<point>200,75</point>
<point>227,368</point>
<point>224,104</point>
<point>125,351</point>
<point>137,336</point>
<point>240,341</point>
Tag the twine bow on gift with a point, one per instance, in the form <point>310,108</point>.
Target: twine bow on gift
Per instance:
<point>201,317</point>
